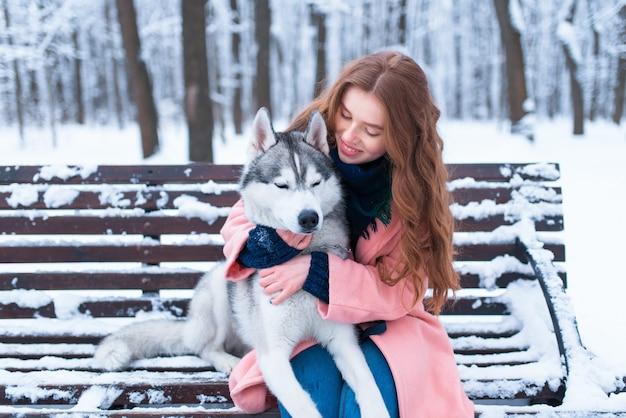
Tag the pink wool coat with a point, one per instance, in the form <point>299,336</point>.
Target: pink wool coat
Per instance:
<point>415,343</point>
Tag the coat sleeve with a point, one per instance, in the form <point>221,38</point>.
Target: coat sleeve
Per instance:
<point>235,234</point>
<point>357,293</point>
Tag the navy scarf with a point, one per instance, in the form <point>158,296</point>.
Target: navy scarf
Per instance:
<point>368,193</point>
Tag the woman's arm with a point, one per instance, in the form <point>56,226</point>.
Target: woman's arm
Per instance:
<point>248,246</point>
<point>357,293</point>
<point>235,233</point>
<point>351,291</point>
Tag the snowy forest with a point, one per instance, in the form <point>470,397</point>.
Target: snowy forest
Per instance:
<point>212,63</point>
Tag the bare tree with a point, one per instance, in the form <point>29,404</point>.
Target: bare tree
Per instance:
<point>318,18</point>
<point>114,66</point>
<point>18,83</point>
<point>78,81</point>
<point>138,78</point>
<point>515,70</point>
<point>235,50</point>
<point>567,36</point>
<point>262,25</point>
<point>618,108</point>
<point>197,102</point>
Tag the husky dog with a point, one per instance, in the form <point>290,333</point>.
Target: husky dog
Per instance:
<point>288,183</point>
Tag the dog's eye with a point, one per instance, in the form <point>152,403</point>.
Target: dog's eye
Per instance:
<point>317,183</point>
<point>281,185</point>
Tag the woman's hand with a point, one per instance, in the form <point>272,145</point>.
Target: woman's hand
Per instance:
<point>284,280</point>
<point>298,241</point>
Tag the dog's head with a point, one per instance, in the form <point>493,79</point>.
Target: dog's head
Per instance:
<point>289,182</point>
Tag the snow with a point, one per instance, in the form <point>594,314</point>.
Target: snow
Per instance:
<point>190,207</point>
<point>592,172</point>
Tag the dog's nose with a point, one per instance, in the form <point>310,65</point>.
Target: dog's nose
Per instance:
<point>308,219</point>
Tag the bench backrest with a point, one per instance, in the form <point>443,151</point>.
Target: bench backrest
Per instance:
<point>150,227</point>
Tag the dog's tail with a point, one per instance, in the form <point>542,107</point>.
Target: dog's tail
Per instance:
<point>141,340</point>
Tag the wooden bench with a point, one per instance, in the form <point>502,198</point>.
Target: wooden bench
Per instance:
<point>85,250</point>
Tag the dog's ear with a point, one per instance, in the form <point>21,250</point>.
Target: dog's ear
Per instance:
<point>316,133</point>
<point>263,136</point>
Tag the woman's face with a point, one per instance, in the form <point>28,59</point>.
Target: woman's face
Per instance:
<point>359,127</point>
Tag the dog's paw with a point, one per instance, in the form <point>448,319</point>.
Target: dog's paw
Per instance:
<point>222,361</point>
<point>112,356</point>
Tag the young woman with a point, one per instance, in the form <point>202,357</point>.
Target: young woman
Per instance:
<point>382,130</point>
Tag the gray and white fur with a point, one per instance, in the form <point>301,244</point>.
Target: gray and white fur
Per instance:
<point>288,183</point>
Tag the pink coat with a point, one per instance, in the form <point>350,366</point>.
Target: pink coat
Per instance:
<point>415,343</point>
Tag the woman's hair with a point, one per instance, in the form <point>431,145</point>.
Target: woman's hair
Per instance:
<point>419,175</point>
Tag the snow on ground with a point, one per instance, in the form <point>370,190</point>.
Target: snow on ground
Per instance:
<point>592,172</point>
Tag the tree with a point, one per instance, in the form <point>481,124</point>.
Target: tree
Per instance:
<point>18,83</point>
<point>197,102</point>
<point>510,34</point>
<point>567,36</point>
<point>262,25</point>
<point>138,78</point>
<point>618,108</point>
<point>78,81</point>
<point>115,94</point>
<point>318,18</point>
<point>235,50</point>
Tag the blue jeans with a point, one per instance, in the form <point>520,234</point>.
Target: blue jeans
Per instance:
<point>318,375</point>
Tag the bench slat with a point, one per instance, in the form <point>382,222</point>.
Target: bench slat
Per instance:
<point>151,224</point>
<point>148,199</point>
<point>499,195</point>
<point>486,252</point>
<point>164,279</point>
<point>144,280</point>
<point>130,307</point>
<point>148,224</point>
<point>114,174</point>
<point>164,174</point>
<point>149,254</point>
<point>548,223</point>
<point>502,172</point>
<point>178,392</point>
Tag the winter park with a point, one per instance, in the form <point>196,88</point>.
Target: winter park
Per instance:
<point>124,125</point>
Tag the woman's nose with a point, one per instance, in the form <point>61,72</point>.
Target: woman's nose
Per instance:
<point>350,132</point>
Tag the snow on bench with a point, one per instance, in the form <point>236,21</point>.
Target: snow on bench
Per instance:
<point>85,250</point>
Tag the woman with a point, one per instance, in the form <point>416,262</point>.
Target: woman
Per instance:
<point>382,130</point>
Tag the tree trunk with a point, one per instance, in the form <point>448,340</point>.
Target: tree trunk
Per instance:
<point>196,74</point>
<point>572,64</point>
<point>236,56</point>
<point>577,93</point>
<point>619,91</point>
<point>115,67</point>
<point>138,78</point>
<point>78,81</point>
<point>402,23</point>
<point>514,59</point>
<point>318,18</point>
<point>17,79</point>
<point>262,25</point>
<point>618,109</point>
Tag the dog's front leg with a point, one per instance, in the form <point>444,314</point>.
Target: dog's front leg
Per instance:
<point>281,380</point>
<point>345,350</point>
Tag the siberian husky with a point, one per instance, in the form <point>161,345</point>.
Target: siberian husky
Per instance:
<point>288,176</point>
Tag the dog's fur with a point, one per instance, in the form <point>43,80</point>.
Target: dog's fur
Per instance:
<point>288,183</point>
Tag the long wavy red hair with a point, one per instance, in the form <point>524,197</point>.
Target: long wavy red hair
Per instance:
<point>419,175</point>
